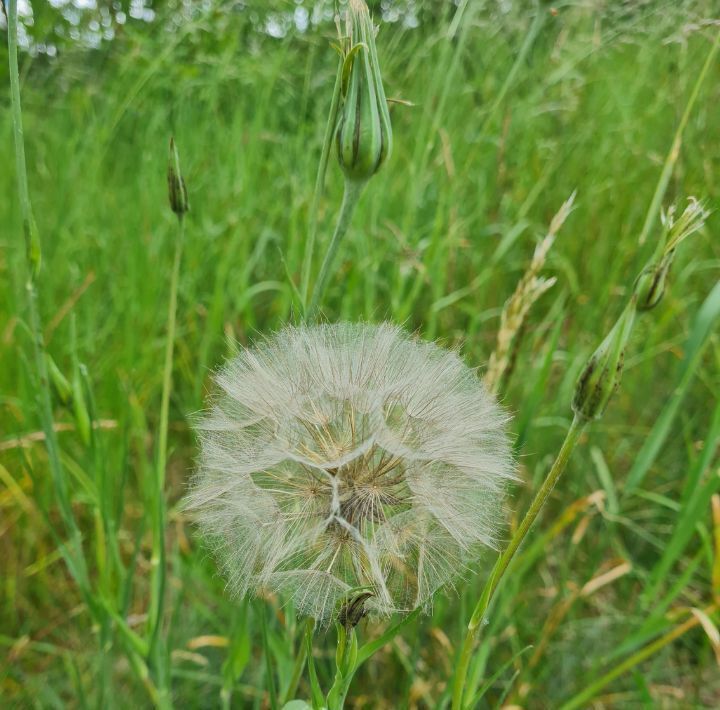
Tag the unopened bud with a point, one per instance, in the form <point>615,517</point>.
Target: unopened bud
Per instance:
<point>177,192</point>
<point>651,284</point>
<point>60,386</point>
<point>80,409</point>
<point>32,241</point>
<point>603,371</point>
<point>364,133</point>
<point>353,610</point>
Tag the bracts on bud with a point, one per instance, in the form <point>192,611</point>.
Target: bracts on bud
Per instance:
<point>650,285</point>
<point>602,373</point>
<point>364,133</point>
<point>177,192</point>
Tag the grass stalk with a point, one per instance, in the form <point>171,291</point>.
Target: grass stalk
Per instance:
<point>571,438</point>
<point>33,258</point>
<point>272,690</point>
<point>320,185</point>
<point>298,667</point>
<point>351,195</point>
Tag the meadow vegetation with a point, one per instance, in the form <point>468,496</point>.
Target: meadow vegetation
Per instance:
<point>515,106</point>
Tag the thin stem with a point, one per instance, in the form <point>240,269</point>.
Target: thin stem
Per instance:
<point>32,252</point>
<point>297,671</point>
<point>268,660</point>
<point>159,567</point>
<point>320,185</point>
<point>674,151</point>
<point>351,195</point>
<point>316,694</point>
<point>581,699</point>
<point>571,439</point>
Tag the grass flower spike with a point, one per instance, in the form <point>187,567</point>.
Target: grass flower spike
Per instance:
<point>350,456</point>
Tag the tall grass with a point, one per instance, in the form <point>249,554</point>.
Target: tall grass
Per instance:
<point>513,111</point>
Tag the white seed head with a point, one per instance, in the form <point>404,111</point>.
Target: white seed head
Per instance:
<point>343,456</point>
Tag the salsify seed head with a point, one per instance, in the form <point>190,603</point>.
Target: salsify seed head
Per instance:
<point>348,456</point>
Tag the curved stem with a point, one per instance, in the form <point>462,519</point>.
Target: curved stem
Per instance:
<point>319,185</point>
<point>351,195</point>
<point>571,439</point>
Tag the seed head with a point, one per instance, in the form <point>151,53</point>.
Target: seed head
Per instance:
<point>343,457</point>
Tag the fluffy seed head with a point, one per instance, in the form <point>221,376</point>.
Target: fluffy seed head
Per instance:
<point>347,456</point>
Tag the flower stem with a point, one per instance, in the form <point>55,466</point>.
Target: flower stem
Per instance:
<point>351,195</point>
<point>571,439</point>
<point>158,653</point>
<point>320,184</point>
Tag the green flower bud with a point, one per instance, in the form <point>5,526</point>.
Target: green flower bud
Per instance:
<point>80,410</point>
<point>177,192</point>
<point>61,387</point>
<point>603,371</point>
<point>364,134</point>
<point>34,251</point>
<point>651,283</point>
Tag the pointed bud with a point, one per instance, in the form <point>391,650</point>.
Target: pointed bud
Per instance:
<point>177,192</point>
<point>80,409</point>
<point>651,283</point>
<point>32,241</point>
<point>61,387</point>
<point>364,133</point>
<point>603,371</point>
<point>650,286</point>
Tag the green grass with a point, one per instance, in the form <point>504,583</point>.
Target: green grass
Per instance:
<point>511,115</point>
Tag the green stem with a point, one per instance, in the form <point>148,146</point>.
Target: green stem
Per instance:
<point>351,195</point>
<point>571,439</point>
<point>159,567</point>
<point>297,671</point>
<point>316,694</point>
<point>268,659</point>
<point>320,184</point>
<point>32,251</point>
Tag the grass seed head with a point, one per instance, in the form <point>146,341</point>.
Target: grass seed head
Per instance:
<point>338,457</point>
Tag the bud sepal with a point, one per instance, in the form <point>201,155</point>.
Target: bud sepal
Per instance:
<point>602,373</point>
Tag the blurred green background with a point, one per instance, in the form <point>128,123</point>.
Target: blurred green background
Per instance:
<point>515,106</point>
